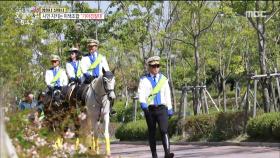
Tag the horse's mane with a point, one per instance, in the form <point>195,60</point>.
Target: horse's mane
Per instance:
<point>108,74</point>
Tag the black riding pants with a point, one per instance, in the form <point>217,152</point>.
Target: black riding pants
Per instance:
<point>154,115</point>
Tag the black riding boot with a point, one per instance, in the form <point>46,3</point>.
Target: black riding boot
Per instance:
<point>166,146</point>
<point>152,142</point>
<point>154,154</point>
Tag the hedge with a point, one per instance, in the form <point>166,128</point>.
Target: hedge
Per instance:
<point>199,127</point>
<point>213,127</point>
<point>138,130</point>
<point>133,131</point>
<point>266,126</point>
<point>125,114</point>
<point>228,125</point>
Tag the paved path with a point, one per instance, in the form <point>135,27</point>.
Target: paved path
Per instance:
<point>196,151</point>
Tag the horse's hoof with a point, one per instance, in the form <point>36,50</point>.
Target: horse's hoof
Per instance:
<point>108,156</point>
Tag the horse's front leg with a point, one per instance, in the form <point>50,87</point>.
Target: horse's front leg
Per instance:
<point>95,139</point>
<point>95,124</point>
<point>106,134</point>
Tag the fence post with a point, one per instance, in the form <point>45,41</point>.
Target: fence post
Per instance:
<point>278,88</point>
<point>185,104</point>
<point>255,98</point>
<point>205,100</point>
<point>135,98</point>
<point>236,95</point>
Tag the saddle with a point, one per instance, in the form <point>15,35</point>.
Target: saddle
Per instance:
<point>55,96</point>
<point>69,97</point>
<point>76,93</point>
<point>82,93</point>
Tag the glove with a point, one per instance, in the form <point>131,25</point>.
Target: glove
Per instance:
<point>144,106</point>
<point>87,75</point>
<point>57,88</point>
<point>50,88</point>
<point>78,81</point>
<point>87,78</point>
<point>72,79</point>
<point>170,113</point>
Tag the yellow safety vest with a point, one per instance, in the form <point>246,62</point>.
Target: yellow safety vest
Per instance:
<point>56,77</point>
<point>95,63</point>
<point>156,89</point>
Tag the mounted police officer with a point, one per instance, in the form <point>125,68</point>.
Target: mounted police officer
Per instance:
<point>55,78</point>
<point>93,63</point>
<point>73,66</point>
<point>155,101</point>
<point>91,66</point>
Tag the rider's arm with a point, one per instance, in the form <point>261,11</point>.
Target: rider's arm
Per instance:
<point>48,77</point>
<point>64,79</point>
<point>85,64</point>
<point>142,93</point>
<point>105,64</point>
<point>70,71</point>
<point>167,95</point>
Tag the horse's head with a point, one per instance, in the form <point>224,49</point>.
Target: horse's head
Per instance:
<point>109,83</point>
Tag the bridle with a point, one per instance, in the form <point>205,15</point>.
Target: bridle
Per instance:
<point>107,91</point>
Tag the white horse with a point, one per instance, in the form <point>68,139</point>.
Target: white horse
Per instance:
<point>99,99</point>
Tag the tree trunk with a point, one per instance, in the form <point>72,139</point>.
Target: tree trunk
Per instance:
<point>197,73</point>
<point>247,105</point>
<point>181,103</point>
<point>205,100</point>
<point>224,94</point>
<point>262,59</point>
<point>219,91</point>
<point>169,74</point>
<point>219,79</point>
<point>173,96</point>
<point>273,95</point>
<point>202,105</point>
<point>236,94</point>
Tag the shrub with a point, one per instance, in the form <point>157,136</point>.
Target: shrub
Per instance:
<point>199,127</point>
<point>119,107</point>
<point>125,114</point>
<point>265,126</point>
<point>228,125</point>
<point>139,131</point>
<point>215,127</point>
<point>133,131</point>
<point>276,129</point>
<point>18,121</point>
<point>173,126</point>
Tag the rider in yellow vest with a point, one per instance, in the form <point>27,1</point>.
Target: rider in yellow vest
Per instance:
<point>155,101</point>
<point>92,65</point>
<point>73,66</point>
<point>56,77</point>
<point>93,62</point>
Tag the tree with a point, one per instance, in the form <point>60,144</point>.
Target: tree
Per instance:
<point>194,22</point>
<point>259,24</point>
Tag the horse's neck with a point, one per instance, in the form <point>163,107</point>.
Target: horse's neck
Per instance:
<point>98,87</point>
